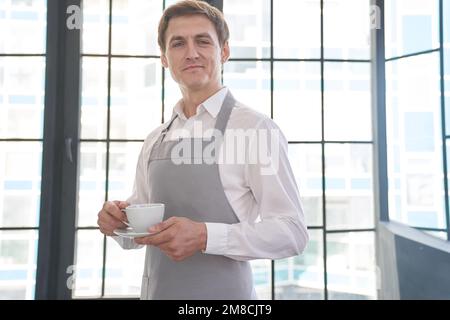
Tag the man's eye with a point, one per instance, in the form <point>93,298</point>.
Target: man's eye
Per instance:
<point>204,41</point>
<point>177,44</point>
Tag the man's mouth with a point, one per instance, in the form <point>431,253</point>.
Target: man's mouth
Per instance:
<point>192,67</point>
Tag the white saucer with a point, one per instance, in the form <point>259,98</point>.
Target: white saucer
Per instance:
<point>129,233</point>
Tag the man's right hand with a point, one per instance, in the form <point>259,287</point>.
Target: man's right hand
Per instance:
<point>111,217</point>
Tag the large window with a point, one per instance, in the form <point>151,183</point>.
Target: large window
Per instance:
<point>417,122</point>
<point>121,104</point>
<point>304,63</point>
<point>22,82</point>
<point>314,82</point>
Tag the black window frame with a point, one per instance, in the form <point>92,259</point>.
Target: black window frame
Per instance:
<point>60,163</point>
<point>60,154</point>
<point>379,114</point>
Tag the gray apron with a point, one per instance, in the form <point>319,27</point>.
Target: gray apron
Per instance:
<point>194,191</point>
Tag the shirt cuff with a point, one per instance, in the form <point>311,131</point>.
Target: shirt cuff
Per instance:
<point>217,238</point>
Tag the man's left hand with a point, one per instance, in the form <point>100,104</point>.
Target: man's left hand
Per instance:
<point>178,237</point>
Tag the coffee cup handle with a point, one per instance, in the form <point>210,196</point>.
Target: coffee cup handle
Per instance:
<point>124,222</point>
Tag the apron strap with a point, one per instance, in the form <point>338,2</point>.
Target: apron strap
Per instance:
<point>224,114</point>
<point>166,129</point>
<point>221,121</point>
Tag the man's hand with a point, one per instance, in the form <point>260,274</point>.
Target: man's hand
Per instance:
<point>179,238</point>
<point>110,217</point>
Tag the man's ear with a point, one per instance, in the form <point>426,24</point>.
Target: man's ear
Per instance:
<point>164,60</point>
<point>225,52</point>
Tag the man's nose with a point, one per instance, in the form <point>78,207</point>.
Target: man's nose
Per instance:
<point>192,52</point>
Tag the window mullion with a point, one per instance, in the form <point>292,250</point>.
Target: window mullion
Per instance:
<point>60,154</point>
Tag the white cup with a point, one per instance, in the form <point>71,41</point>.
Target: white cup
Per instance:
<point>142,216</point>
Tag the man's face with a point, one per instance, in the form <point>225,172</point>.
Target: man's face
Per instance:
<point>193,53</point>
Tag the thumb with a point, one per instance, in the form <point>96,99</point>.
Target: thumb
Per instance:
<point>163,225</point>
<point>121,204</point>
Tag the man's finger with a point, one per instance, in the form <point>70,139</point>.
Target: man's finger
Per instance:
<point>121,204</point>
<point>115,211</point>
<point>112,221</point>
<point>106,228</point>
<point>163,225</point>
<point>155,240</point>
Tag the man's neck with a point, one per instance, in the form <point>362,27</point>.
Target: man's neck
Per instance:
<point>193,99</point>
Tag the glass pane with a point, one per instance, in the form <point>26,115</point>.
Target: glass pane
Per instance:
<point>297,100</point>
<point>349,186</point>
<point>23,24</point>
<point>262,278</point>
<point>306,162</point>
<point>87,275</point>
<point>346,29</point>
<point>347,102</point>
<point>18,255</point>
<point>135,97</point>
<point>411,26</point>
<point>22,85</point>
<point>301,277</point>
<point>95,31</point>
<point>122,169</point>
<point>123,275</point>
<point>135,27</point>
<point>20,183</point>
<point>414,141</point>
<point>252,38</point>
<point>91,186</point>
<point>94,95</point>
<point>249,81</point>
<point>303,16</point>
<point>351,266</point>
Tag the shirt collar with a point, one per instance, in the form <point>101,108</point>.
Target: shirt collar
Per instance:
<point>212,105</point>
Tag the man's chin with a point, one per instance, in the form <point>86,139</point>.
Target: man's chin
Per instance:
<point>196,86</point>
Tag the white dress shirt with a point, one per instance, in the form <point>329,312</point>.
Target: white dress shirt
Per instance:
<point>271,220</point>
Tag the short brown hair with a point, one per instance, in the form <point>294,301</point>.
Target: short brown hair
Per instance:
<point>192,7</point>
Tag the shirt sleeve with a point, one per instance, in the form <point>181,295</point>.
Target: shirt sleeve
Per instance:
<point>280,231</point>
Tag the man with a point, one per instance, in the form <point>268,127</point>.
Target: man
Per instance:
<point>217,215</point>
